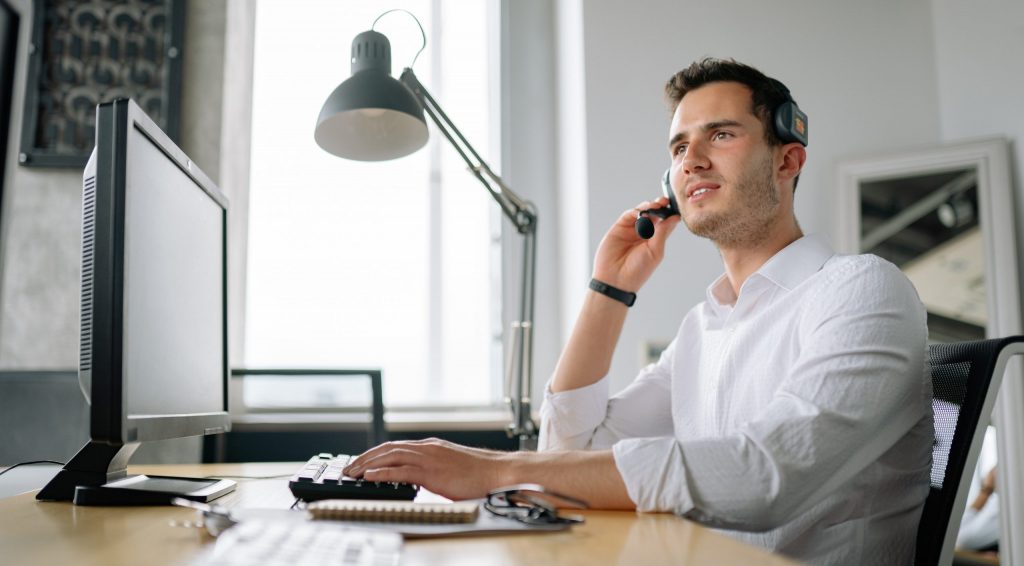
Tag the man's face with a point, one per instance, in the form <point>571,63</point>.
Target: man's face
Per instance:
<point>722,167</point>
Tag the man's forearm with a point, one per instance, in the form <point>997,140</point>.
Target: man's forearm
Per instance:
<point>587,475</point>
<point>588,355</point>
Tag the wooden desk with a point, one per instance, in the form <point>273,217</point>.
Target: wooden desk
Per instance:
<point>33,532</point>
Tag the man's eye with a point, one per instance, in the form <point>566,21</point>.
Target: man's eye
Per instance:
<point>722,135</point>
<point>680,149</point>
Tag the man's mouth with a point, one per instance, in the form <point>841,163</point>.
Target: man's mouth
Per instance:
<point>700,189</point>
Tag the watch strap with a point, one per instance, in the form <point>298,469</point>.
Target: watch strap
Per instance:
<point>624,297</point>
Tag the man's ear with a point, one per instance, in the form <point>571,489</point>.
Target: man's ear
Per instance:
<point>793,157</point>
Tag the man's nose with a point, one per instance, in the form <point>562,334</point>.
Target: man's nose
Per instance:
<point>695,159</point>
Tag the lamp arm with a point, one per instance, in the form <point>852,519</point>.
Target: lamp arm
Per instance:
<point>520,211</point>
<point>523,215</point>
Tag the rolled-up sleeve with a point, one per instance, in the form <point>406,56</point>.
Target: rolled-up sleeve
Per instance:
<point>654,473</point>
<point>586,418</point>
<point>568,418</point>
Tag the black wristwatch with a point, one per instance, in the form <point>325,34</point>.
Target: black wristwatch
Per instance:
<point>624,297</point>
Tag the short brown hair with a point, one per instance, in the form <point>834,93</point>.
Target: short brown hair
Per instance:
<point>767,93</point>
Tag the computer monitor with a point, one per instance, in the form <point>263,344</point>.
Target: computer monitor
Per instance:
<point>154,311</point>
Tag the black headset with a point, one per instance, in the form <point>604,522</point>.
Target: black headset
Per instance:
<point>790,126</point>
<point>790,122</point>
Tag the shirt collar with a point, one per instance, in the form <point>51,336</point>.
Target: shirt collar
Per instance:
<point>720,294</point>
<point>787,269</point>
<point>793,264</point>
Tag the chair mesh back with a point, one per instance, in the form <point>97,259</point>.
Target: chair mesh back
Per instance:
<point>949,386</point>
<point>961,375</point>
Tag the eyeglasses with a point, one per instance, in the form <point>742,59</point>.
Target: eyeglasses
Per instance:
<point>532,504</point>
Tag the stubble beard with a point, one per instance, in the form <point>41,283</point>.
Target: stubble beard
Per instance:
<point>751,219</point>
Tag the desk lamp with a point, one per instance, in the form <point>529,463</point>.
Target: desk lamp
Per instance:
<point>373,117</point>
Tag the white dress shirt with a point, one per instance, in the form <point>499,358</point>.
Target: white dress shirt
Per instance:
<point>795,416</point>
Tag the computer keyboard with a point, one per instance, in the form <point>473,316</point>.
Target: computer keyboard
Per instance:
<point>321,478</point>
<point>319,543</point>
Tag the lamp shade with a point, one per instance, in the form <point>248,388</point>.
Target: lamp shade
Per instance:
<point>371,116</point>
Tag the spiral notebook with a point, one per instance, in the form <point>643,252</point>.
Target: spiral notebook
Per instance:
<point>414,519</point>
<point>394,511</point>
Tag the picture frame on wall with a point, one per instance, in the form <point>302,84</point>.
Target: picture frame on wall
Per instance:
<point>85,52</point>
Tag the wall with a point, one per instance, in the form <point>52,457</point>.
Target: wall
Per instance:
<point>40,235</point>
<point>528,167</point>
<point>41,222</point>
<point>978,49</point>
<point>843,62</point>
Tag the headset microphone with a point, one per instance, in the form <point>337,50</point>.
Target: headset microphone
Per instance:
<point>644,226</point>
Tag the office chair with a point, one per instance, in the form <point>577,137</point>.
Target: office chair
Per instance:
<point>965,379</point>
<point>223,448</point>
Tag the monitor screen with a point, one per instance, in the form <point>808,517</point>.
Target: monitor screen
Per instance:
<point>173,287</point>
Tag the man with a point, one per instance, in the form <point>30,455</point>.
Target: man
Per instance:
<point>793,408</point>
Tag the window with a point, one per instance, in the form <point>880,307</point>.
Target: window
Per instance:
<point>392,265</point>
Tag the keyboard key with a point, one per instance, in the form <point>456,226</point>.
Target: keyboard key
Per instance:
<point>322,478</point>
<point>310,472</point>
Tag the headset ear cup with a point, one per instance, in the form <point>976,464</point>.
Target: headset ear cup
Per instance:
<point>791,123</point>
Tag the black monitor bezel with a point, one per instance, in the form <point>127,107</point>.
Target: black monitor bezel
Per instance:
<point>109,419</point>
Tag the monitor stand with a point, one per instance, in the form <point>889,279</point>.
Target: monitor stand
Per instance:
<point>98,475</point>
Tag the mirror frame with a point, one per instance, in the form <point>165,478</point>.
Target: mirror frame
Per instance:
<point>991,158</point>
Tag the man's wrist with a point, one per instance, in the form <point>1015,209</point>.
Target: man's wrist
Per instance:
<point>625,297</point>
<point>508,472</point>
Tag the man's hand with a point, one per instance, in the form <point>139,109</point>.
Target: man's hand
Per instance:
<point>447,469</point>
<point>988,484</point>
<point>624,259</point>
<point>459,472</point>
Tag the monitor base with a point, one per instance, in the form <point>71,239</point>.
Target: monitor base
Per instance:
<point>152,490</point>
<point>97,463</point>
<point>98,475</point>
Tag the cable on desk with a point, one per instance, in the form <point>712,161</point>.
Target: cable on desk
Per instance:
<point>30,463</point>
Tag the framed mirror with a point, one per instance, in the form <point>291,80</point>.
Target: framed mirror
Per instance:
<point>945,217</point>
